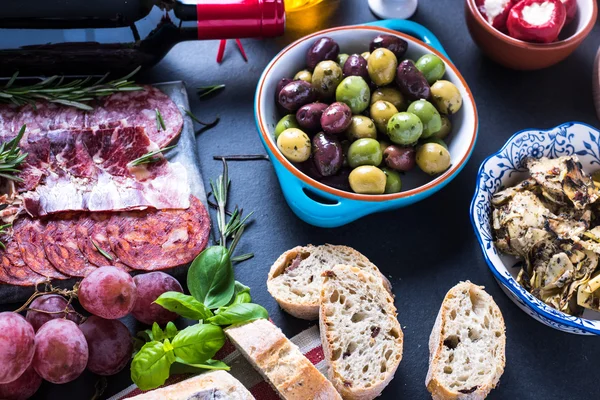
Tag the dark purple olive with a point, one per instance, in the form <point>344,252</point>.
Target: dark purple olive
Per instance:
<point>411,81</point>
<point>399,158</point>
<point>322,49</point>
<point>309,116</point>
<point>296,94</point>
<point>356,65</point>
<point>336,118</point>
<point>309,168</point>
<point>327,154</point>
<point>280,85</point>
<point>392,43</point>
<point>339,181</point>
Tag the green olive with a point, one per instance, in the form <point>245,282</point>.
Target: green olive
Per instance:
<point>341,59</point>
<point>429,116</point>
<point>432,67</point>
<point>404,128</point>
<point>354,92</point>
<point>382,66</point>
<point>364,152</point>
<point>446,128</point>
<point>361,127</point>
<point>435,140</point>
<point>381,112</point>
<point>367,179</point>
<point>289,121</point>
<point>294,144</point>
<point>366,55</point>
<point>391,95</point>
<point>326,77</point>
<point>304,75</point>
<point>433,158</point>
<point>393,183</point>
<point>446,97</point>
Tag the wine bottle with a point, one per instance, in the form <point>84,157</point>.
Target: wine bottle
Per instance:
<point>44,37</point>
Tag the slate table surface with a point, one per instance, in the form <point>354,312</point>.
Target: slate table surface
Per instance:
<point>424,249</point>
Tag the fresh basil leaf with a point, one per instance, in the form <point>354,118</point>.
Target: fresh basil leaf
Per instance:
<point>184,305</point>
<point>238,313</point>
<point>150,366</point>
<point>146,335</point>
<point>181,367</point>
<point>171,330</point>
<point>137,345</point>
<point>241,294</point>
<point>157,333</point>
<point>210,277</point>
<point>198,343</point>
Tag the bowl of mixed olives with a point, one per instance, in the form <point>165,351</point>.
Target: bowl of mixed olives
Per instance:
<point>362,119</point>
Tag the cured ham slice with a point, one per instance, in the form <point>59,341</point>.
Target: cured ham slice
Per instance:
<point>36,164</point>
<point>60,245</point>
<point>151,240</point>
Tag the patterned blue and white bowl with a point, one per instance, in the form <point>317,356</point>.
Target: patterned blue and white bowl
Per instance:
<point>503,169</point>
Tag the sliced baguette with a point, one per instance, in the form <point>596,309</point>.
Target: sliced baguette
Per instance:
<point>210,385</point>
<point>362,339</point>
<point>280,362</point>
<point>466,345</point>
<point>295,278</point>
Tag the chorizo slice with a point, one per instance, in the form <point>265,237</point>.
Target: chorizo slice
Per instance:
<point>29,234</point>
<point>60,245</point>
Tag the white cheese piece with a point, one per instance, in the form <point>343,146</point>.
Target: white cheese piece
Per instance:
<point>538,13</point>
<point>493,8</point>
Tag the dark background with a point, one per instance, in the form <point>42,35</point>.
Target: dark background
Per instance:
<point>424,249</point>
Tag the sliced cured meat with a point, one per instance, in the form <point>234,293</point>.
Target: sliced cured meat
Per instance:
<point>29,234</point>
<point>91,236</point>
<point>69,154</point>
<point>44,116</point>
<point>139,109</point>
<point>16,272</point>
<point>60,245</point>
<point>35,166</point>
<point>150,240</point>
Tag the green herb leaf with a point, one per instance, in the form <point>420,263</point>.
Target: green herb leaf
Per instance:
<point>242,257</point>
<point>239,313</point>
<point>181,367</point>
<point>146,335</point>
<point>160,122</point>
<point>101,251</point>
<point>150,366</point>
<point>184,305</point>
<point>11,157</point>
<point>197,120</point>
<point>197,343</point>
<point>206,90</point>
<point>157,333</point>
<point>210,277</point>
<point>241,294</point>
<point>171,330</point>
<point>149,157</point>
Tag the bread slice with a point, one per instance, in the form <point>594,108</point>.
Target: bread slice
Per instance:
<point>466,345</point>
<point>295,278</point>
<point>362,339</point>
<point>210,385</point>
<point>280,362</point>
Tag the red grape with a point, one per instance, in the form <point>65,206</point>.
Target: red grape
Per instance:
<point>51,303</point>
<point>17,345</point>
<point>23,387</point>
<point>149,287</point>
<point>61,352</point>
<point>109,343</point>
<point>108,292</point>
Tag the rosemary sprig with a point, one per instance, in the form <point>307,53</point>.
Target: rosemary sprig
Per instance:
<point>11,157</point>
<point>160,122</point>
<point>196,119</point>
<point>149,157</point>
<point>206,90</point>
<point>75,93</point>
<point>3,230</point>
<point>102,251</point>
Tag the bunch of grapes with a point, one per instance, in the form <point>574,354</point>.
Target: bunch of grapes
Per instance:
<point>55,343</point>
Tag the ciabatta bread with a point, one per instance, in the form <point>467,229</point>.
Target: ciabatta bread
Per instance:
<point>280,362</point>
<point>362,339</point>
<point>295,278</point>
<point>209,385</point>
<point>466,345</point>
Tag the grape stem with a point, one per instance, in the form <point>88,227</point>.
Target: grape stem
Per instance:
<point>69,294</point>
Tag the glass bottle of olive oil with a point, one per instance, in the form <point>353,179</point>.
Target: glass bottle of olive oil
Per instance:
<point>293,5</point>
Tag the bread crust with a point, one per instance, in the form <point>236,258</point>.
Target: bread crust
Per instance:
<point>309,308</point>
<point>347,392</point>
<point>434,385</point>
<point>280,362</point>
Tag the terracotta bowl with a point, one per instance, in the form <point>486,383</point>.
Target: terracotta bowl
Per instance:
<point>517,54</point>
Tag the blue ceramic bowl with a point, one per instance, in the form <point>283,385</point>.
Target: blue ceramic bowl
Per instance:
<point>503,169</point>
<point>322,205</point>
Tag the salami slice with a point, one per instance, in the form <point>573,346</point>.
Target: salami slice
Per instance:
<point>16,272</point>
<point>155,240</point>
<point>60,245</point>
<point>29,235</point>
<point>92,237</point>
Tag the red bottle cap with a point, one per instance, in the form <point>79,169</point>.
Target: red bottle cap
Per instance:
<point>229,19</point>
